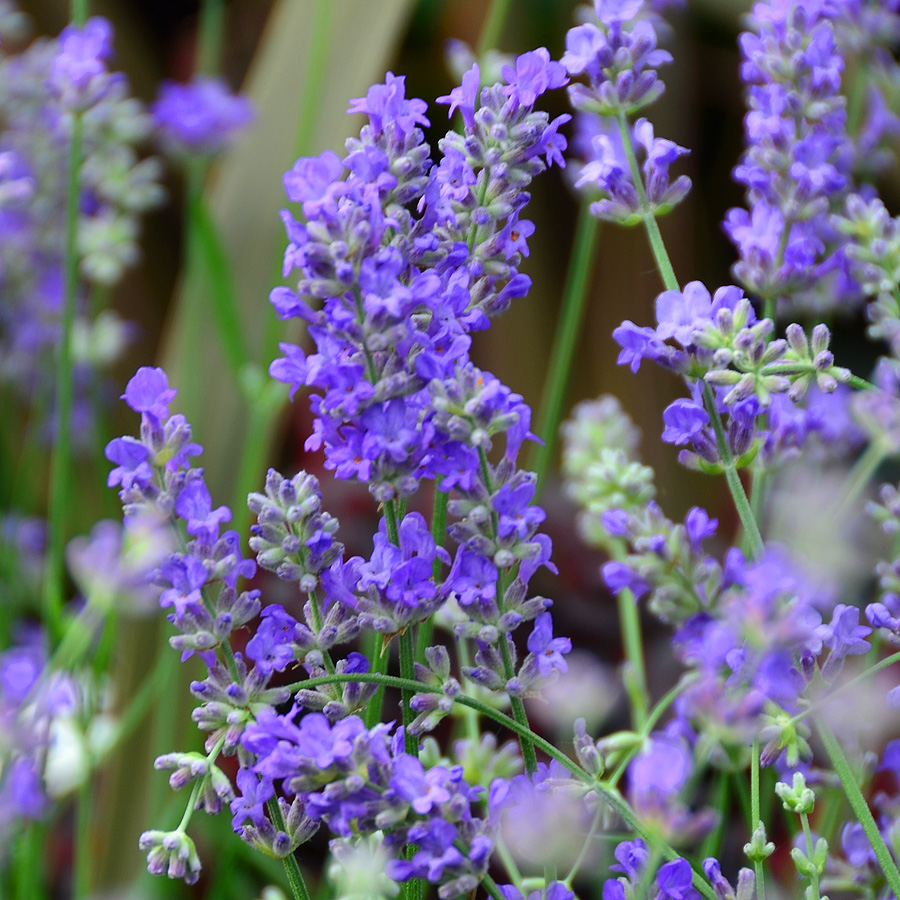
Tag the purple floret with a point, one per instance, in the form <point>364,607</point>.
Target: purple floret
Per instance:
<point>200,118</point>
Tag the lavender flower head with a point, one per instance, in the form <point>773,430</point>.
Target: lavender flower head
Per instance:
<point>201,118</point>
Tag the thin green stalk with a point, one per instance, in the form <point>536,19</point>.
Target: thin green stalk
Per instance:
<point>630,624</point>
<point>559,372</point>
<point>502,851</point>
<point>28,883</point>
<point>660,254</point>
<point>376,650</point>
<point>62,450</point>
<point>667,700</point>
<point>211,37</point>
<point>439,534</point>
<point>490,886</point>
<point>859,477</point>
<point>859,806</point>
<point>493,25</point>
<point>84,856</point>
<point>810,849</point>
<point>79,10</point>
<point>407,671</point>
<point>518,710</point>
<point>295,878</point>
<point>470,717</point>
<point>754,816</point>
<point>712,843</point>
<point>150,689</point>
<point>586,845</point>
<point>742,504</point>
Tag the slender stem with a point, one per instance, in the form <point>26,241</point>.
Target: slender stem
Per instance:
<point>810,850</point>
<point>491,888</point>
<point>713,841</point>
<point>668,699</point>
<point>212,30</point>
<point>81,874</point>
<point>291,867</point>
<point>493,25</point>
<point>509,863</point>
<point>559,372</point>
<point>859,806</point>
<point>742,504</point>
<point>860,475</point>
<point>439,533</point>
<point>62,451</point>
<point>407,671</point>
<point>79,10</point>
<point>579,860</point>
<point>660,254</point>
<point>630,624</point>
<point>754,816</point>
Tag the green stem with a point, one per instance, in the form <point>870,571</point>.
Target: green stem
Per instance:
<point>439,534</point>
<point>660,254</point>
<point>407,671</point>
<point>79,12</point>
<point>295,879</point>
<point>81,873</point>
<point>579,860</point>
<point>493,25</point>
<point>860,475</point>
<point>860,384</point>
<point>636,679</point>
<point>810,850</point>
<point>62,451</point>
<point>559,371</point>
<point>712,843</point>
<point>491,888</point>
<point>668,699</point>
<point>212,29</point>
<point>754,816</point>
<point>742,504</point>
<point>377,652</point>
<point>859,806</point>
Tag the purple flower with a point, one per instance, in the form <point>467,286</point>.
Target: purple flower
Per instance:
<point>465,96</point>
<point>674,880</point>
<point>660,770</point>
<point>78,74</point>
<point>684,420</point>
<point>548,650</point>
<point>148,391</point>
<point>534,73</point>
<point>844,635</point>
<point>200,118</point>
<point>614,12</point>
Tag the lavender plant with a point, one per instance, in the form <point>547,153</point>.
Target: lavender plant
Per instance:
<point>397,257</point>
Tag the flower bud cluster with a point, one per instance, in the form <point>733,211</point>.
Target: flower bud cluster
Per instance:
<point>873,254</point>
<point>619,57</point>
<point>607,171</point>
<point>601,466</point>
<point>293,537</point>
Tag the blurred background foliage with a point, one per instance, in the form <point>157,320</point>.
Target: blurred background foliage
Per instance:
<point>301,61</point>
